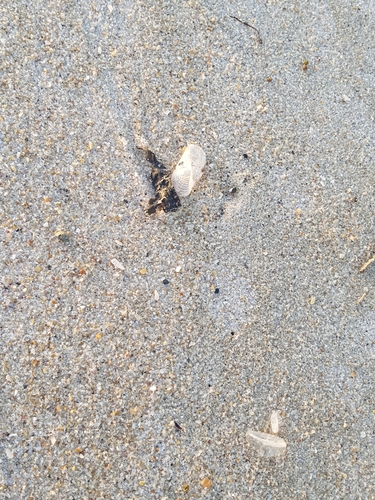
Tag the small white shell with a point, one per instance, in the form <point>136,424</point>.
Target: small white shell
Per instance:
<point>188,170</point>
<point>275,422</point>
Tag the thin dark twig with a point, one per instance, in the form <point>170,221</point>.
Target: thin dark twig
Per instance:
<point>249,26</point>
<point>178,426</point>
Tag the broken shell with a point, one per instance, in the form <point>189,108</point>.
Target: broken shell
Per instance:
<point>117,264</point>
<point>275,422</point>
<point>267,445</point>
<point>188,170</point>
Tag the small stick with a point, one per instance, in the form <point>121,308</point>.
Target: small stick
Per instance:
<point>249,26</point>
<point>178,426</point>
<point>361,298</point>
<point>367,264</point>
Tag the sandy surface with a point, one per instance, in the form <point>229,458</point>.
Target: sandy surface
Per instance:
<point>260,306</point>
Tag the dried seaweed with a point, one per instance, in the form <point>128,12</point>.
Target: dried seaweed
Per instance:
<point>165,197</point>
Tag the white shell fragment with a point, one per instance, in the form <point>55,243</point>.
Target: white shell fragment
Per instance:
<point>267,445</point>
<point>188,170</point>
<point>275,422</point>
<point>117,264</point>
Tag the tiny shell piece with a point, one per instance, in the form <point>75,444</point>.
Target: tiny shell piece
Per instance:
<point>275,422</point>
<point>267,445</point>
<point>188,170</point>
<point>156,294</point>
<point>117,264</point>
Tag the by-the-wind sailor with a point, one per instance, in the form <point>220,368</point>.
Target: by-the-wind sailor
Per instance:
<point>188,170</point>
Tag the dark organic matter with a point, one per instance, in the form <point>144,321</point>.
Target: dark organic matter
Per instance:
<point>166,197</point>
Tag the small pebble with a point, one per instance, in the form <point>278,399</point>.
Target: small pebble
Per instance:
<point>63,237</point>
<point>165,282</point>
<point>206,482</point>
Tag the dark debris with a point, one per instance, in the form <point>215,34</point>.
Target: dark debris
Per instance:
<point>166,197</point>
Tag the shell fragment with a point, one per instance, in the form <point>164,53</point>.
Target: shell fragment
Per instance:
<point>117,264</point>
<point>188,170</point>
<point>267,445</point>
<point>275,422</point>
